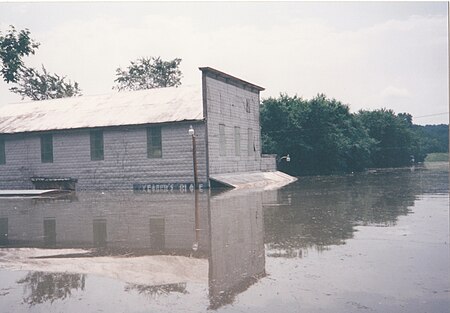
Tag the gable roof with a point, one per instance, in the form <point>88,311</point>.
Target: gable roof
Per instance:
<point>149,106</point>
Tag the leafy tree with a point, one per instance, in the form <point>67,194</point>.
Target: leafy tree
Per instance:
<point>434,138</point>
<point>13,46</point>
<point>147,73</point>
<point>395,137</point>
<point>320,135</point>
<point>28,81</point>
<point>42,86</point>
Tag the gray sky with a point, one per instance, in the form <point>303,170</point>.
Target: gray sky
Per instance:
<point>366,54</point>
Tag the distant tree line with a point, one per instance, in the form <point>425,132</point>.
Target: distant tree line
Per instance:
<point>434,138</point>
<point>322,136</point>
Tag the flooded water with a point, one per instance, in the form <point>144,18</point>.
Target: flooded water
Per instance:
<point>372,242</point>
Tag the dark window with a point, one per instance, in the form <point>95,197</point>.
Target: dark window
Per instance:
<point>250,145</point>
<point>222,141</point>
<point>2,151</point>
<point>49,232</point>
<point>47,148</point>
<point>157,233</point>
<point>154,142</point>
<point>237,140</point>
<point>99,228</point>
<point>247,105</point>
<point>97,145</point>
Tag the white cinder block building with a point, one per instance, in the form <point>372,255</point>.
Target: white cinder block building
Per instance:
<point>138,139</point>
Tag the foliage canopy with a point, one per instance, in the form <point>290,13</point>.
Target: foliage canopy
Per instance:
<point>320,135</point>
<point>397,142</point>
<point>13,46</point>
<point>148,73</point>
<point>28,81</point>
<point>43,86</point>
<point>323,137</point>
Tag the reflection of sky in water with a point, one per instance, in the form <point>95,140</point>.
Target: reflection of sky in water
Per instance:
<point>341,244</point>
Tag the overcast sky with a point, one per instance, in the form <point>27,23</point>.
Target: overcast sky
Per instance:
<point>367,55</point>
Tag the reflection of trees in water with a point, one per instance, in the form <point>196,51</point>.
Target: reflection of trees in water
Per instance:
<point>157,290</point>
<point>40,287</point>
<point>320,211</point>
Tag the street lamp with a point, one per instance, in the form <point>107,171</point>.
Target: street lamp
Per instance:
<point>191,132</point>
<point>287,157</point>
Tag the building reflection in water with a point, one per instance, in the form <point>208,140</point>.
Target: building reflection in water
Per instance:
<point>236,259</point>
<point>225,229</point>
<point>226,235</point>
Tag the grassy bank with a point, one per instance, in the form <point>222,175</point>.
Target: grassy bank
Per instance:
<point>437,157</point>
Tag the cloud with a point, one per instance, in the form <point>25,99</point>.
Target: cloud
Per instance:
<point>363,67</point>
<point>395,92</point>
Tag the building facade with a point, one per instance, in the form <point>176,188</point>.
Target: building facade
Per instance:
<point>135,139</point>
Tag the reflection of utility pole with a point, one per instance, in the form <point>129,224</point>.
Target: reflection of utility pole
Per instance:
<point>194,155</point>
<point>194,160</point>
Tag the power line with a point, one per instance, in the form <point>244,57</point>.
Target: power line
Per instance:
<point>430,115</point>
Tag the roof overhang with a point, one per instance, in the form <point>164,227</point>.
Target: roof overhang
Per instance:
<point>227,77</point>
<point>127,108</point>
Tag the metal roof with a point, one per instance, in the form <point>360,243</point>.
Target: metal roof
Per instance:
<point>254,180</point>
<point>149,106</point>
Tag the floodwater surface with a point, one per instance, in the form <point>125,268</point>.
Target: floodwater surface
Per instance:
<point>369,242</point>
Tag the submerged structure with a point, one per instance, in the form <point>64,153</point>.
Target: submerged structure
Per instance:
<point>156,139</point>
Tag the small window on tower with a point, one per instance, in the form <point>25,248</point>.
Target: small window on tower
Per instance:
<point>247,105</point>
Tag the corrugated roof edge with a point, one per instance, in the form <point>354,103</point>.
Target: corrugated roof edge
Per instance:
<point>228,76</point>
<point>101,94</point>
<point>53,130</point>
<point>28,108</point>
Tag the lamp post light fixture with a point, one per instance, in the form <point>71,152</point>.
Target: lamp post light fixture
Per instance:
<point>191,132</point>
<point>287,157</point>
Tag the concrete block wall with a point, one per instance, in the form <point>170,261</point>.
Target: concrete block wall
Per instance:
<point>232,106</point>
<point>125,158</point>
<point>268,162</point>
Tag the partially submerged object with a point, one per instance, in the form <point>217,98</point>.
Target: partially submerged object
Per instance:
<point>33,193</point>
<point>252,180</point>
